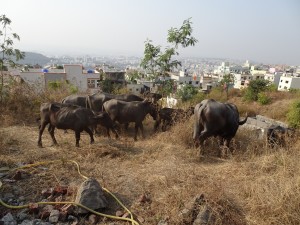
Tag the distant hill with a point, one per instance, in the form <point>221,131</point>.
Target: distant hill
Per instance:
<point>34,58</point>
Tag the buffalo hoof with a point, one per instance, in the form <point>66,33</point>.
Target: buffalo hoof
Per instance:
<point>40,145</point>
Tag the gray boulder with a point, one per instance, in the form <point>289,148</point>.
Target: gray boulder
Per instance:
<point>91,195</point>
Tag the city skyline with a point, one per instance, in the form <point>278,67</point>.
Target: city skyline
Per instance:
<point>264,31</point>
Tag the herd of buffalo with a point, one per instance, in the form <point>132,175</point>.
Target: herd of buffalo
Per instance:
<point>85,112</point>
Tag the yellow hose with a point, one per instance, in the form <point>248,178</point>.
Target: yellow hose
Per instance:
<point>73,203</point>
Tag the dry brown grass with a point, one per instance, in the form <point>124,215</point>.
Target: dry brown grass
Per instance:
<point>253,185</point>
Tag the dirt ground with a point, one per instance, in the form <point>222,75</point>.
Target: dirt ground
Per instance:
<point>164,167</point>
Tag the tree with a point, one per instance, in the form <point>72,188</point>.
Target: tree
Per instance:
<point>133,75</point>
<point>187,92</point>
<point>255,87</point>
<point>8,54</point>
<point>228,79</point>
<point>157,62</point>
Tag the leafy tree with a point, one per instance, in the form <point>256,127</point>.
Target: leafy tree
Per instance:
<point>228,80</point>
<point>8,54</point>
<point>133,75</point>
<point>255,87</point>
<point>60,67</point>
<point>167,87</point>
<point>158,62</point>
<point>187,92</point>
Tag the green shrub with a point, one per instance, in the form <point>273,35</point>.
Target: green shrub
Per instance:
<point>255,87</point>
<point>293,115</point>
<point>187,92</point>
<point>272,87</point>
<point>263,98</point>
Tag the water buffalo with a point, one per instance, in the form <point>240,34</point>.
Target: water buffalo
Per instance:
<point>214,118</point>
<point>126,112</point>
<point>170,116</point>
<point>277,135</point>
<point>95,101</point>
<point>80,100</point>
<point>67,116</point>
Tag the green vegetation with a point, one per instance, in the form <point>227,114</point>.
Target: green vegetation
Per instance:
<point>133,76</point>
<point>56,85</point>
<point>293,115</point>
<point>255,87</point>
<point>263,98</point>
<point>157,62</point>
<point>187,92</point>
<point>226,82</point>
<point>8,53</point>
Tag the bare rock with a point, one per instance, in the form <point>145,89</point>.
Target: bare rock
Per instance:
<point>8,219</point>
<point>205,216</point>
<point>91,195</point>
<point>46,211</point>
<point>54,216</point>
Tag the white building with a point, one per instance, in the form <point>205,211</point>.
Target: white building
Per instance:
<point>273,78</point>
<point>223,68</point>
<point>288,82</point>
<point>86,81</point>
<point>183,78</point>
<point>241,80</point>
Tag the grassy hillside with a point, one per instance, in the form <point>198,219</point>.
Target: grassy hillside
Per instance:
<point>253,185</point>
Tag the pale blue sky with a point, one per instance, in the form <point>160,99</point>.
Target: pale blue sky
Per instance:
<point>262,30</point>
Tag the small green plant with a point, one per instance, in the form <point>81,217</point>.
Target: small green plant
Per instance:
<point>187,92</point>
<point>293,115</point>
<point>255,87</point>
<point>263,98</point>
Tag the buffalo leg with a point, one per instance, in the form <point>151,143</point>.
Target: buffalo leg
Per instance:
<point>88,130</point>
<point>41,130</point>
<point>164,126</point>
<point>114,131</point>
<point>51,132</point>
<point>142,130</point>
<point>126,125</point>
<point>107,131</point>
<point>156,124</point>
<point>137,126</point>
<point>77,137</point>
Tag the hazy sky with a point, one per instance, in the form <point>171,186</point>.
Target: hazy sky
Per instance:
<point>262,30</point>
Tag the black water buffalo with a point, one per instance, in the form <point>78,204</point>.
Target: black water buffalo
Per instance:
<point>126,112</point>
<point>67,116</point>
<point>277,135</point>
<point>214,118</point>
<point>170,116</point>
<point>95,101</point>
<point>80,100</point>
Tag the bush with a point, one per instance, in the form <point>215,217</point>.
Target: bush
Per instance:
<point>263,98</point>
<point>255,87</point>
<point>187,92</point>
<point>293,115</point>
